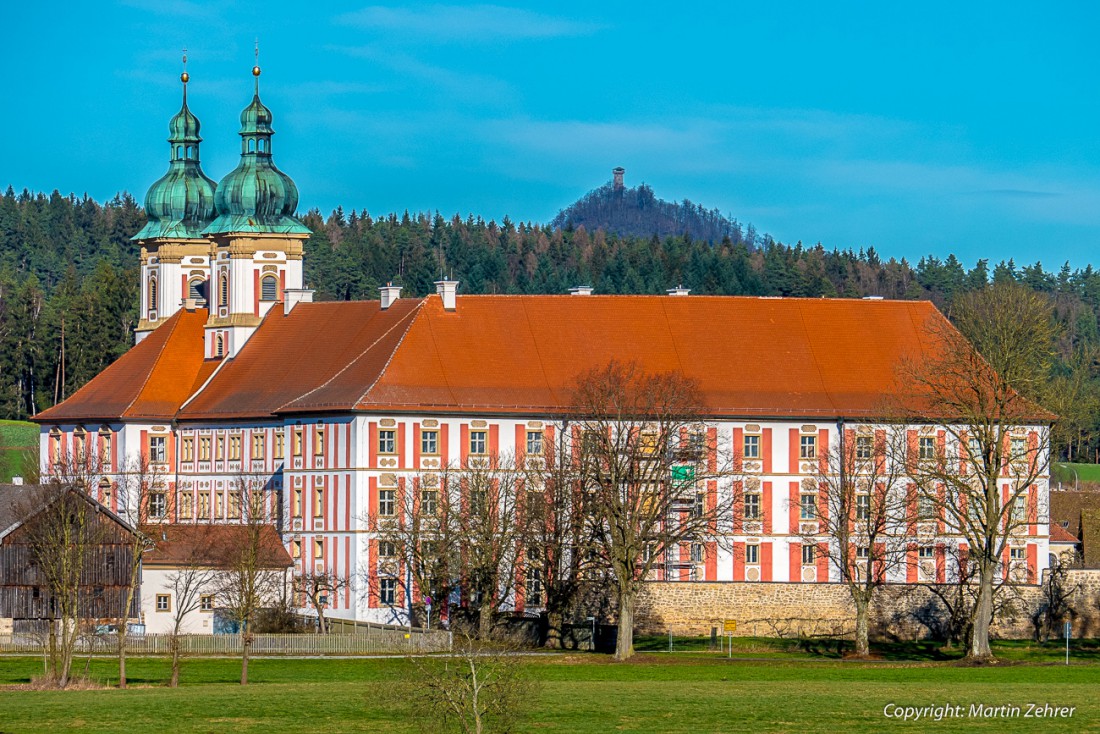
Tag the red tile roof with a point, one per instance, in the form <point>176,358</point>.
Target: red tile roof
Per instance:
<point>752,357</point>
<point>151,381</point>
<point>1059,534</point>
<point>210,546</point>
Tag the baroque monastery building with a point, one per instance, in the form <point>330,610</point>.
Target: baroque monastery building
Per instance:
<point>336,407</point>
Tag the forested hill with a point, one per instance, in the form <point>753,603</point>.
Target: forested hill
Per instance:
<point>638,212</point>
<point>67,263</point>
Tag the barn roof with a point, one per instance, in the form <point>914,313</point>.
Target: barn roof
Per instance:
<point>209,545</point>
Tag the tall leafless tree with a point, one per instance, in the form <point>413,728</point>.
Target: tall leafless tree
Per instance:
<point>859,520</point>
<point>318,588</point>
<point>647,459</point>
<point>983,455</point>
<point>189,583</point>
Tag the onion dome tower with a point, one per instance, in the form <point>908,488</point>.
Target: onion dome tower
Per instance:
<point>174,253</point>
<point>257,240</point>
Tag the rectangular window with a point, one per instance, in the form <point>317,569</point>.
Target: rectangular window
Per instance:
<point>219,504</point>
<point>698,553</point>
<point>925,553</point>
<point>296,441</point>
<point>319,549</point>
<point>296,502</point>
<point>477,442</point>
<point>105,447</point>
<point>295,548</point>
<point>280,439</point>
<point>164,602</point>
<point>534,443</point>
<point>387,591</point>
<point>259,450</point>
<point>477,502</point>
<point>220,448</point>
<point>647,443</point>
<point>809,554</point>
<point>1017,555</point>
<point>862,553</point>
<point>234,505</point>
<point>752,507</point>
<point>204,506</point>
<point>1017,448</point>
<point>808,507</point>
<point>807,447</point>
<point>204,448</point>
<point>387,442</point>
<point>699,505</point>
<point>186,505</point>
<point>428,501</point>
<point>429,442</point>
<point>319,440</point>
<point>157,449</point>
<point>864,447</point>
<point>387,500</point>
<point>534,587</point>
<point>235,447</point>
<point>387,549</point>
<point>158,505</point>
<point>1019,509</point>
<point>863,506</point>
<point>752,447</point>
<point>188,449</point>
<point>752,554</point>
<point>318,502</point>
<point>206,603</point>
<point>926,447</point>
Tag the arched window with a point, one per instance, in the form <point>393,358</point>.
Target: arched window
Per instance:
<point>152,292</point>
<point>269,288</point>
<point>251,145</point>
<point>105,492</point>
<point>190,152</point>
<point>55,445</point>
<point>179,151</point>
<point>260,145</point>
<point>223,290</point>
<point>196,288</point>
<point>219,345</point>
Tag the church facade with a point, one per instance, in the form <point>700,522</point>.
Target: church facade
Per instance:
<point>337,408</point>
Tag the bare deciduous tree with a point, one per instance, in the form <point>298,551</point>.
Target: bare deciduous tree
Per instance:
<point>859,519</point>
<point>318,587</point>
<point>247,581</point>
<point>982,462</point>
<point>189,583</point>
<point>646,456</point>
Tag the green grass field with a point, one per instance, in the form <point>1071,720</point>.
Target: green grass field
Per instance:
<point>1064,472</point>
<point>689,692</point>
<point>17,440</point>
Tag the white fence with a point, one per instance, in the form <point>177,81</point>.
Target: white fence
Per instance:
<point>377,641</point>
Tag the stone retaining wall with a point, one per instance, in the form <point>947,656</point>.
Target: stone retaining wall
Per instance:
<point>795,609</point>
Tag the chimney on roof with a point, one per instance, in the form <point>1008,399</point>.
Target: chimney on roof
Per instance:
<point>189,304</point>
<point>293,296</point>
<point>447,290</point>
<point>388,294</point>
<point>679,290</point>
<point>581,290</point>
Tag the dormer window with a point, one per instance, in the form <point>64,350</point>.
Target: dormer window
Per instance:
<point>219,345</point>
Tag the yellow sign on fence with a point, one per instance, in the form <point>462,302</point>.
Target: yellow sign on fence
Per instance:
<point>729,626</point>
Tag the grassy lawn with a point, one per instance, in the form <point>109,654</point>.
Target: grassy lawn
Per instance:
<point>1064,472</point>
<point>689,692</point>
<point>17,438</point>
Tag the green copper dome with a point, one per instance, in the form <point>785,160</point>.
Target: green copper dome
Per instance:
<point>181,203</point>
<point>256,196</point>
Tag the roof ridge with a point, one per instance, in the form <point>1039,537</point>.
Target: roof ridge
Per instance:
<point>177,316</point>
<point>411,316</point>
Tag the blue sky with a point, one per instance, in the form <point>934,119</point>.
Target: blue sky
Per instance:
<point>917,128</point>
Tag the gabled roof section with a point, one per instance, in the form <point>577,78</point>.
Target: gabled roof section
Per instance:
<point>319,357</point>
<point>1059,534</point>
<point>210,546</point>
<point>749,356</point>
<point>20,502</point>
<point>151,381</point>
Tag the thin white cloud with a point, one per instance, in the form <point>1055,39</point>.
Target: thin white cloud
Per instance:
<point>495,23</point>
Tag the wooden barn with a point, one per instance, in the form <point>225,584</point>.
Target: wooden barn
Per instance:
<point>46,533</point>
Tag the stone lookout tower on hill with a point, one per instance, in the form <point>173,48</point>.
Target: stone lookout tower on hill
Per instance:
<point>617,177</point>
